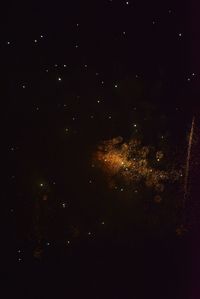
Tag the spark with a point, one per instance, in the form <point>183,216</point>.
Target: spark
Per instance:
<point>189,157</point>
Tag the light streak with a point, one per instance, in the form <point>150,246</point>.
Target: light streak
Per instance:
<point>187,170</point>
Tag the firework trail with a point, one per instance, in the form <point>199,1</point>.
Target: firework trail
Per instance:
<point>187,170</point>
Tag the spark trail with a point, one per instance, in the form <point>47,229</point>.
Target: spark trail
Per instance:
<point>187,170</point>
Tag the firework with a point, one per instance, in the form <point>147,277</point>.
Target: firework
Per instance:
<point>130,161</point>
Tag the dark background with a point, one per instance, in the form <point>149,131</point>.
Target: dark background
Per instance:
<point>149,49</point>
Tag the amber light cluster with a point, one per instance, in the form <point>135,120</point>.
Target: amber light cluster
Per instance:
<point>131,162</point>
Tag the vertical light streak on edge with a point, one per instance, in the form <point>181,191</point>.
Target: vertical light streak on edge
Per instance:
<point>188,158</point>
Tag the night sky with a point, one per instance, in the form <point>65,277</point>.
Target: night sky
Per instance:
<point>97,104</point>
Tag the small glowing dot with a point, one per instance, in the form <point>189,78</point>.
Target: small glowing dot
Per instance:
<point>35,40</point>
<point>19,251</point>
<point>153,22</point>
<point>188,79</point>
<point>85,65</point>
<point>76,46</point>
<point>64,205</point>
<point>47,71</point>
<point>41,36</point>
<point>90,181</point>
<point>59,79</point>
<point>121,189</point>
<point>89,233</point>
<point>97,74</point>
<point>19,259</point>
<point>67,130</point>
<point>41,185</point>
<point>54,183</point>
<point>102,82</point>
<point>180,34</point>
<point>193,74</point>
<point>127,2</point>
<point>124,33</point>
<point>48,244</point>
<point>109,117</point>
<point>103,223</point>
<point>116,85</point>
<point>68,242</point>
<point>65,65</point>
<point>8,43</point>
<point>23,86</point>
<point>92,116</point>
<point>98,101</point>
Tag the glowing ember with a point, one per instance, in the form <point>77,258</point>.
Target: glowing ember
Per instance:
<point>131,162</point>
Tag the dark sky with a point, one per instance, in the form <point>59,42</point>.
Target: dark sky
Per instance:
<point>74,74</point>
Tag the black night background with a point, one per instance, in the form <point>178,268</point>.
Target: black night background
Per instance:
<point>100,138</point>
